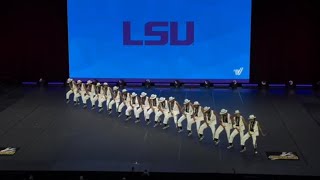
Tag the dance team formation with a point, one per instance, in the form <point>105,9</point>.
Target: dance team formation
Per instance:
<point>166,109</point>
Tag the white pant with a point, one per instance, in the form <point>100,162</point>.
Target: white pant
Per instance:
<point>182,118</point>
<point>234,133</point>
<point>168,115</point>
<point>136,111</point>
<point>145,113</point>
<point>93,98</point>
<point>191,121</point>
<point>157,116</point>
<point>108,101</point>
<point>84,97</point>
<point>204,126</point>
<point>68,94</point>
<point>122,104</point>
<point>150,111</point>
<point>246,137</point>
<point>101,100</point>
<point>111,104</point>
<point>76,97</point>
<point>227,128</point>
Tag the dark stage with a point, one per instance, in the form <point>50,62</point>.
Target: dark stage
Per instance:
<point>55,136</point>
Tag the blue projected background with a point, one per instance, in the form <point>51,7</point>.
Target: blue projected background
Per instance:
<point>221,47</point>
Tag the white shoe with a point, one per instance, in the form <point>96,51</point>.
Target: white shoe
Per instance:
<point>100,109</point>
<point>148,122</point>
<point>155,125</point>
<point>166,127</point>
<point>217,142</point>
<point>128,118</point>
<point>180,130</point>
<point>110,112</point>
<point>93,108</point>
<point>230,146</point>
<point>190,133</point>
<point>137,121</point>
<point>244,149</point>
<point>84,106</point>
<point>200,139</point>
<point>120,115</point>
<point>67,101</point>
<point>255,152</point>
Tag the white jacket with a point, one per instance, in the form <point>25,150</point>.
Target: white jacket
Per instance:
<point>211,119</point>
<point>240,125</point>
<point>253,130</point>
<point>228,121</point>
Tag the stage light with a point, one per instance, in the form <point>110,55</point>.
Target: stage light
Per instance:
<point>290,84</point>
<point>234,84</point>
<point>121,84</point>
<point>316,85</point>
<point>42,82</point>
<point>148,83</point>
<point>263,84</point>
<point>177,84</point>
<point>207,84</point>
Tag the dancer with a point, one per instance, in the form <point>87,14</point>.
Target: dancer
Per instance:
<point>187,112</point>
<point>174,111</point>
<point>210,120</point>
<point>225,124</point>
<point>115,99</point>
<point>238,127</point>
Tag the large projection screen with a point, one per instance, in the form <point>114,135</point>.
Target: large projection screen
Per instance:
<point>159,39</point>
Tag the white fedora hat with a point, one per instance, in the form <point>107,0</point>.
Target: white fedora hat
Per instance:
<point>133,94</point>
<point>162,99</point>
<point>186,101</point>
<point>223,111</point>
<point>205,109</point>
<point>237,112</point>
<point>124,90</point>
<point>196,103</point>
<point>98,84</point>
<point>171,98</point>
<point>252,116</point>
<point>153,96</point>
<point>105,84</point>
<point>115,88</point>
<point>143,94</point>
<point>79,81</point>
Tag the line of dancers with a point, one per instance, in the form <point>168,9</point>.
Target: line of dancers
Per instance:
<point>203,117</point>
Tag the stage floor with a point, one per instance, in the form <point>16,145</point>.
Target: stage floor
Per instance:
<point>55,136</point>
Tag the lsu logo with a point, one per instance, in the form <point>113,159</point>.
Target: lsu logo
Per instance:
<point>166,36</point>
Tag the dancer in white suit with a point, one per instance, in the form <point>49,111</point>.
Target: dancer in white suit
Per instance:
<point>108,93</point>
<point>197,117</point>
<point>154,103</point>
<point>238,127</point>
<point>144,106</point>
<point>210,120</point>
<point>225,124</point>
<point>253,132</point>
<point>133,105</point>
<point>76,93</point>
<point>93,94</point>
<point>70,83</point>
<point>101,97</point>
<point>115,99</point>
<point>85,92</point>
<point>125,101</point>
<point>174,111</point>
<point>187,112</point>
<point>163,109</point>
